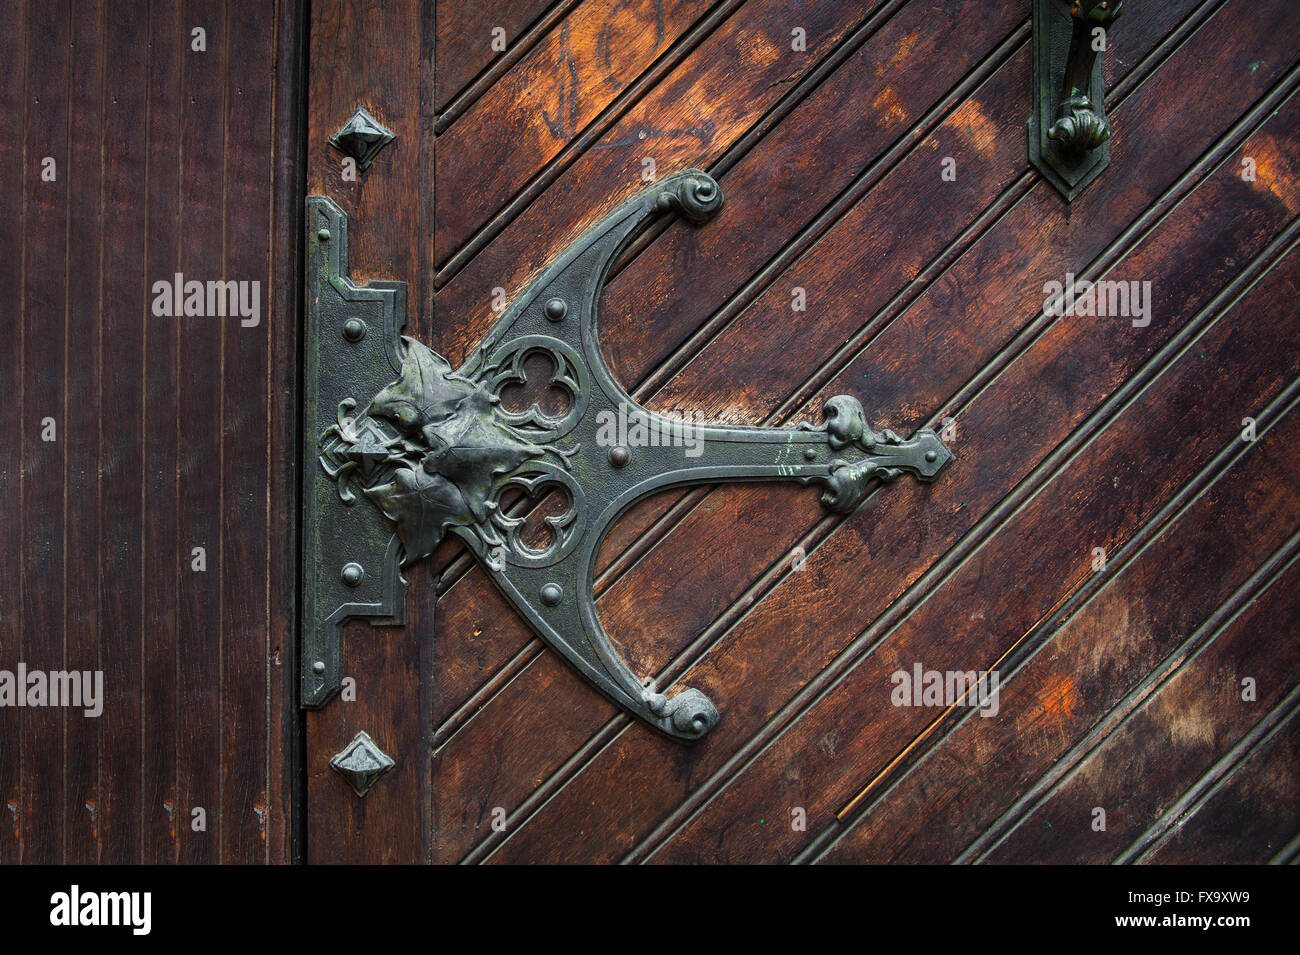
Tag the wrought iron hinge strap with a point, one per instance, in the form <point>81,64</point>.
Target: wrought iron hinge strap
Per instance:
<point>435,450</point>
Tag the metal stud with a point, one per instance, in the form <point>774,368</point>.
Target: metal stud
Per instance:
<point>361,763</point>
<point>362,137</point>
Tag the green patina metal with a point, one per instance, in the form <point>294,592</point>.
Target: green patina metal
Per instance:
<point>1069,133</point>
<point>402,449</point>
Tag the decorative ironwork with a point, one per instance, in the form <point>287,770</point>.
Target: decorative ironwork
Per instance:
<point>1069,134</point>
<point>436,450</point>
<point>362,137</point>
<point>361,763</point>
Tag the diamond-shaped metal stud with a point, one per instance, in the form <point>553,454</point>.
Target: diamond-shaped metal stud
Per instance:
<point>362,137</point>
<point>361,763</point>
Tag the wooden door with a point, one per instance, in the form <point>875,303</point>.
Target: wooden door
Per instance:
<point>1114,539</point>
<point>148,490</point>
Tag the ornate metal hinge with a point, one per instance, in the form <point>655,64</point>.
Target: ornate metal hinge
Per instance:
<point>401,449</point>
<point>1069,134</point>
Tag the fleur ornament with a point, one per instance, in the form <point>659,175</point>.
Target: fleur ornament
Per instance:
<point>435,450</point>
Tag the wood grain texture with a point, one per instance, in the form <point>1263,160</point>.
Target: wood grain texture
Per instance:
<point>15,427</point>
<point>363,54</point>
<point>1005,564</point>
<point>163,164</point>
<point>1250,815</point>
<point>121,548</point>
<point>568,78</point>
<point>1111,643</point>
<point>44,319</point>
<point>464,37</point>
<point>989,289</point>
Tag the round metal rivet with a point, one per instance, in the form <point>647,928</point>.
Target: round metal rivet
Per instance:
<point>354,329</point>
<point>556,309</point>
<point>931,456</point>
<point>619,456</point>
<point>318,666</point>
<point>352,574</point>
<point>551,594</point>
<point>323,235</point>
<point>809,453</point>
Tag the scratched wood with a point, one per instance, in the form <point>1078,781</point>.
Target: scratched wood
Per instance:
<point>771,503</point>
<point>1087,239</point>
<point>162,435</point>
<point>749,218</point>
<point>1105,649</point>
<point>1172,742</point>
<point>1250,815</point>
<point>924,298</point>
<point>568,79</point>
<point>735,381</point>
<point>465,37</point>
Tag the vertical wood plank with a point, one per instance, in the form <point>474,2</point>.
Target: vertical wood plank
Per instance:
<point>243,427</point>
<point>45,337</point>
<point>285,801</point>
<point>124,293</point>
<point>363,54</point>
<point>159,354</point>
<point>13,427</point>
<point>198,630</point>
<point>81,623</point>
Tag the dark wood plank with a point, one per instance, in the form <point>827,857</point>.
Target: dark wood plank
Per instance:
<point>246,440</point>
<point>365,55</point>
<point>464,37</point>
<point>164,560</point>
<point>1190,722</point>
<point>1098,515</point>
<point>82,800</point>
<point>42,462</point>
<point>123,479</point>
<point>285,806</point>
<point>804,630</point>
<point>564,83</point>
<point>1084,671</point>
<point>15,430</point>
<point>671,594</point>
<point>1250,817</point>
<point>201,494</point>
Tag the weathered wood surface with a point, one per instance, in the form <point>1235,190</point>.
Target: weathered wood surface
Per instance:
<point>170,433</point>
<point>925,298</point>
